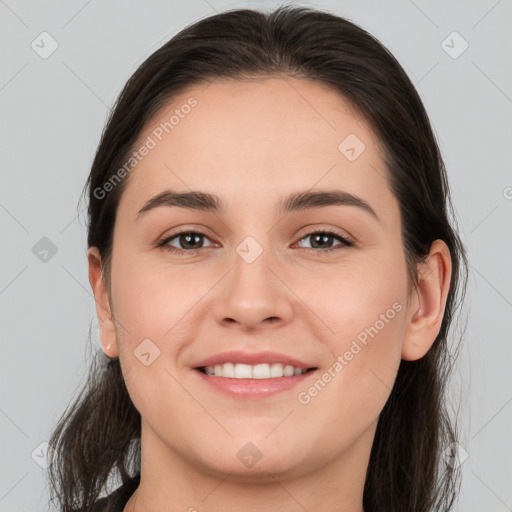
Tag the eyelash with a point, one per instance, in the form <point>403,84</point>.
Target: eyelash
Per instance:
<point>345,242</point>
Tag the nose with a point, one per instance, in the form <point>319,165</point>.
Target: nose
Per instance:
<point>254,295</point>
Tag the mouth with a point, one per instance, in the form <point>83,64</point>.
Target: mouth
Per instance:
<point>262,371</point>
<point>252,376</point>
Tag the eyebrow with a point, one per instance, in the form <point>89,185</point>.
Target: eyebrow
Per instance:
<point>295,202</point>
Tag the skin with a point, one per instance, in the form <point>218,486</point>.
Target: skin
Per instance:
<point>253,142</point>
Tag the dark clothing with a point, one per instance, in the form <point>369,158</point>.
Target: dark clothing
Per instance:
<point>116,501</point>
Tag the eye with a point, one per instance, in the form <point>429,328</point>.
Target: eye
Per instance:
<point>190,243</point>
<point>322,236</point>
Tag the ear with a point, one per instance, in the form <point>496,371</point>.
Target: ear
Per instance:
<point>108,336</point>
<point>427,302</point>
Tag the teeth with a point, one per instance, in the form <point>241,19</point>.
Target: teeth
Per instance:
<point>242,371</point>
<point>257,371</point>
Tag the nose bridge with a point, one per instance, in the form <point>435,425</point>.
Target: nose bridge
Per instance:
<point>252,292</point>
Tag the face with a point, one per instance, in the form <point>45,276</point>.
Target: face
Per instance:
<point>320,288</point>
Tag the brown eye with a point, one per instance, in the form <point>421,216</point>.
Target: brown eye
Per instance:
<point>192,241</point>
<point>188,241</point>
<point>322,240</point>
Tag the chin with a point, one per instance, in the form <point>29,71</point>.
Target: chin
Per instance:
<point>253,456</point>
<point>266,470</point>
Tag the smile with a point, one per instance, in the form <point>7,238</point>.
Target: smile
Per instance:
<point>257,371</point>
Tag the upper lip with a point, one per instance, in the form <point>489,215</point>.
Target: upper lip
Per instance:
<point>252,358</point>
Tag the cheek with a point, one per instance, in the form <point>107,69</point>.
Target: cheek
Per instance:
<point>365,312</point>
<point>157,310</point>
<point>356,299</point>
<point>153,301</point>
<point>348,395</point>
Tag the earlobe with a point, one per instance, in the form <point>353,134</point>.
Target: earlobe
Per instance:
<point>427,302</point>
<point>107,331</point>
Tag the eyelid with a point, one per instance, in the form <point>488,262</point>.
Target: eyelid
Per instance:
<point>343,234</point>
<point>198,229</point>
<point>182,231</point>
<point>345,239</point>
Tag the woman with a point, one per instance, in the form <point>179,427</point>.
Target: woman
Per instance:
<point>275,273</point>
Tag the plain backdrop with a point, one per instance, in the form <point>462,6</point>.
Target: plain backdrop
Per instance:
<point>53,109</point>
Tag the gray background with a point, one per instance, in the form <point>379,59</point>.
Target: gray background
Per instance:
<point>52,113</point>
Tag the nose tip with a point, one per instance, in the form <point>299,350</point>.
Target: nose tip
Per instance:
<point>253,296</point>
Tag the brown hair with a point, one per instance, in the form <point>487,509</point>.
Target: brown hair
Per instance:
<point>100,431</point>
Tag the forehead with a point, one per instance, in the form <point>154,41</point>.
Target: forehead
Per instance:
<point>257,139</point>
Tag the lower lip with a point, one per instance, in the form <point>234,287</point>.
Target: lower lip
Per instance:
<point>254,388</point>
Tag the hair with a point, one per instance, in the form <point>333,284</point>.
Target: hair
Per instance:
<point>100,431</point>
